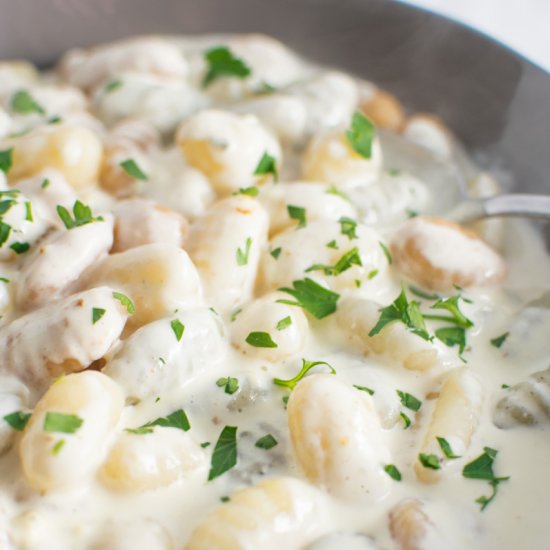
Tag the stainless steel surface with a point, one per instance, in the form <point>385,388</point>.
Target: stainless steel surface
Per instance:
<point>497,102</point>
<point>512,205</point>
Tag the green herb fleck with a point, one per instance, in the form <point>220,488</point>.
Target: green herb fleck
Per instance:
<point>306,367</point>
<point>276,252</point>
<point>82,215</point>
<point>62,423</point>
<point>429,461</point>
<point>332,244</point>
<point>97,314</point>
<point>452,336</point>
<point>58,446</point>
<point>386,252</point>
<point>23,103</point>
<point>20,248</point>
<point>17,420</point>
<point>6,160</point>
<point>249,191</point>
<point>297,213</point>
<point>409,401</point>
<point>393,472</point>
<point>372,274</point>
<point>361,135</point>
<point>230,384</point>
<point>349,259</point>
<point>221,63</point>
<point>131,167</point>
<point>178,419</point>
<point>242,255</point>
<point>365,389</point>
<point>499,340</point>
<point>112,86</point>
<point>446,448</point>
<point>125,301</point>
<point>284,322</point>
<point>266,442</point>
<point>45,183</point>
<point>406,420</point>
<point>267,165</point>
<point>224,456</point>
<point>177,328</point>
<point>348,227</point>
<point>333,190</point>
<point>28,212</point>
<point>260,340</point>
<point>313,297</point>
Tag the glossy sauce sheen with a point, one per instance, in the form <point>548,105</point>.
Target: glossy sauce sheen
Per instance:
<point>197,147</point>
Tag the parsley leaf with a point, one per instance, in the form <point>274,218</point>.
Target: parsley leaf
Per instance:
<point>82,215</point>
<point>332,244</point>
<point>242,255</point>
<point>177,328</point>
<point>372,274</point>
<point>266,442</point>
<point>333,190</point>
<point>58,446</point>
<point>221,62</point>
<point>230,384</point>
<point>393,472</point>
<point>5,205</point>
<point>260,340</point>
<point>386,251</point>
<point>297,213</point>
<point>178,419</point>
<point>45,183</point>
<point>125,301</point>
<point>446,448</point>
<point>429,461</point>
<point>250,191</point>
<point>361,135</point>
<point>409,401</point>
<point>406,420</point>
<point>499,340</point>
<point>421,294</point>
<point>313,297</point>
<point>267,165</point>
<point>28,212</point>
<point>452,336</point>
<point>224,456</point>
<point>5,230</point>
<point>408,313</point>
<point>6,160</point>
<point>348,227</point>
<point>131,167</point>
<point>20,248</point>
<point>63,423</point>
<point>364,388</point>
<point>306,367</point>
<point>23,103</point>
<point>112,86</point>
<point>451,305</point>
<point>97,314</point>
<point>276,252</point>
<point>284,322</point>
<point>17,420</point>
<point>349,259</point>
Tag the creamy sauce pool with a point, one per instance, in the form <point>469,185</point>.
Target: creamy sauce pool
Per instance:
<point>300,122</point>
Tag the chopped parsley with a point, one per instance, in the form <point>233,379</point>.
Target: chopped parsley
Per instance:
<point>224,456</point>
<point>408,313</point>
<point>261,340</point>
<point>446,448</point>
<point>230,384</point>
<point>249,191</point>
<point>6,160</point>
<point>5,205</point>
<point>306,367</point>
<point>386,252</point>
<point>499,340</point>
<point>58,446</point>
<point>283,323</point>
<point>332,244</point>
<point>429,461</point>
<point>406,420</point>
<point>265,88</point>
<point>55,119</point>
<point>348,227</point>
<point>24,104</point>
<point>82,215</point>
<point>267,165</point>
<point>125,301</point>
<point>112,86</point>
<point>178,419</point>
<point>177,328</point>
<point>333,190</point>
<point>421,294</point>
<point>62,423</point>
<point>349,259</point>
<point>20,248</point>
<point>451,305</point>
<point>482,468</point>
<point>5,230</point>
<point>45,183</point>
<point>235,314</point>
<point>409,401</point>
<point>365,389</point>
<point>17,420</point>
<point>131,167</point>
<point>393,472</point>
<point>266,442</point>
<point>276,252</point>
<point>242,255</point>
<point>28,212</point>
<point>361,135</point>
<point>372,274</point>
<point>221,63</point>
<point>297,213</point>
<point>97,314</point>
<point>314,298</point>
<point>452,336</point>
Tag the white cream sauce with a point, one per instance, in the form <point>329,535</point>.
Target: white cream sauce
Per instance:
<point>79,518</point>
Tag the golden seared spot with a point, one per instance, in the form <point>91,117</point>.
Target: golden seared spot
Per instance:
<point>385,110</point>
<point>439,254</point>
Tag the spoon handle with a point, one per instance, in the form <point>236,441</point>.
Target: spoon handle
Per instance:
<point>518,205</point>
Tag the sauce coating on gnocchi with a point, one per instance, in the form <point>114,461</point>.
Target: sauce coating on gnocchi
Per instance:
<point>234,315</point>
